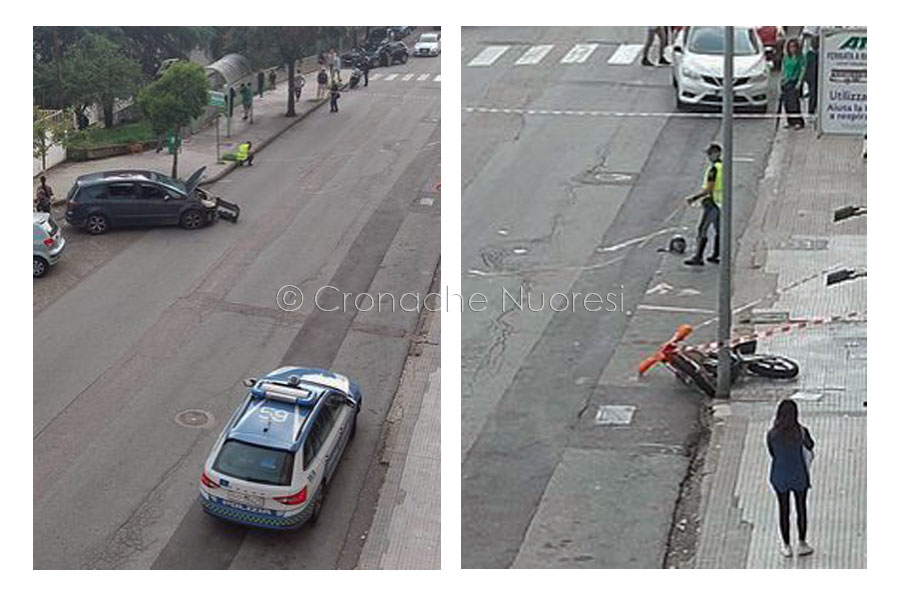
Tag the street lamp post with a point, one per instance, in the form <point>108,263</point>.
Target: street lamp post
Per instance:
<point>723,389</point>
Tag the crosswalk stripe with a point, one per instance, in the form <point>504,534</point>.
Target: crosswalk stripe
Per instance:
<point>391,77</point>
<point>487,56</point>
<point>437,77</point>
<point>423,76</point>
<point>625,54</point>
<point>579,53</point>
<point>374,76</point>
<point>535,54</point>
<point>408,76</point>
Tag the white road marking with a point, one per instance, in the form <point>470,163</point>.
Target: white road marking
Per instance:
<point>426,201</point>
<point>423,76</point>
<point>375,76</point>
<point>661,288</point>
<point>534,55</point>
<point>437,77</point>
<point>625,54</point>
<point>610,113</point>
<point>579,53</point>
<point>685,309</point>
<point>408,76</point>
<point>391,77</point>
<point>487,56</point>
<point>612,414</point>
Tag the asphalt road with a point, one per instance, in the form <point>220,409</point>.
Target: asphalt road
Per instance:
<point>560,202</point>
<point>136,326</point>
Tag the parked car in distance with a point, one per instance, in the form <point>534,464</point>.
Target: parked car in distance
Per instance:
<point>400,31</point>
<point>47,243</point>
<point>272,463</point>
<point>772,37</point>
<point>98,202</point>
<point>429,44</point>
<point>698,64</point>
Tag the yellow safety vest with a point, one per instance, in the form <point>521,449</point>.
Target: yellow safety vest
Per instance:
<point>717,189</point>
<point>243,151</point>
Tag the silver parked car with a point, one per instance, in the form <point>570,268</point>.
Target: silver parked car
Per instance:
<point>48,243</point>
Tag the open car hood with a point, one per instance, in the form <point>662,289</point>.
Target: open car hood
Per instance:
<point>191,184</point>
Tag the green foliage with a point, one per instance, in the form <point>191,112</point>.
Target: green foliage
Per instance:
<point>177,97</point>
<point>93,70</point>
<point>172,101</point>
<point>48,131</point>
<point>96,137</point>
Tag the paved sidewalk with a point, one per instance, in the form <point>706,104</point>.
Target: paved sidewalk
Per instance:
<point>406,528</point>
<point>200,148</point>
<point>790,237</point>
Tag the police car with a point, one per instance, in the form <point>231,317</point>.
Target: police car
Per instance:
<point>272,463</point>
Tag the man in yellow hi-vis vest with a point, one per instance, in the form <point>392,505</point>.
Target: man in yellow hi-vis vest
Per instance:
<point>243,154</point>
<point>711,196</point>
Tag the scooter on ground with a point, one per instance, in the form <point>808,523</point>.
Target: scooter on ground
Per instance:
<point>699,369</point>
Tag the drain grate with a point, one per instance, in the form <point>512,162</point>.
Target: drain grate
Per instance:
<point>194,418</point>
<point>611,414</point>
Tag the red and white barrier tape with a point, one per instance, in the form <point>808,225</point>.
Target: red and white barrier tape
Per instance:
<point>783,329</point>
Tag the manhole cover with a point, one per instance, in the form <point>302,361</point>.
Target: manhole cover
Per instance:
<point>599,176</point>
<point>194,418</point>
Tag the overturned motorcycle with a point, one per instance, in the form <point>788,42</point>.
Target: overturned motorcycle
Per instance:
<point>698,368</point>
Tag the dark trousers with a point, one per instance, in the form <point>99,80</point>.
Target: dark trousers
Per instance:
<point>784,515</point>
<point>709,219</point>
<point>334,107</point>
<point>366,76</point>
<point>790,97</point>
<point>812,84</point>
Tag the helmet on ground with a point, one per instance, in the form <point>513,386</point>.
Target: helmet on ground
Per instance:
<point>677,244</point>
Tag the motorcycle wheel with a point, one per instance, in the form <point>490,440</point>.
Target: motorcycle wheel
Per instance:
<point>694,373</point>
<point>773,367</point>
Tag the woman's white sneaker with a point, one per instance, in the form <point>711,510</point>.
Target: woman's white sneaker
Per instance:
<point>804,549</point>
<point>786,551</point>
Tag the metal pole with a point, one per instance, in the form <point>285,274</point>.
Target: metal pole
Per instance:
<point>218,155</point>
<point>230,110</point>
<point>723,389</point>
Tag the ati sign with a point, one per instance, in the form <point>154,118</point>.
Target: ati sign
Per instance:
<point>857,42</point>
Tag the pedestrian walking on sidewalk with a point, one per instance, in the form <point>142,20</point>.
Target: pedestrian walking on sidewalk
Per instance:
<point>660,32</point>
<point>793,68</point>
<point>336,69</point>
<point>299,82</point>
<point>272,79</point>
<point>335,94</point>
<point>322,80</point>
<point>246,99</point>
<point>365,70</point>
<point>260,83</point>
<point>711,198</point>
<point>812,75</point>
<point>44,197</point>
<point>790,447</point>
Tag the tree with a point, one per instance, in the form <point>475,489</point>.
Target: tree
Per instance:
<point>174,100</point>
<point>48,132</point>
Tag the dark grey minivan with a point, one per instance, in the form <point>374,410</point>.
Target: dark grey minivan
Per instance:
<point>132,197</point>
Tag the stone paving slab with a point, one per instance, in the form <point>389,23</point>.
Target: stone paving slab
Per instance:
<point>739,522</point>
<point>405,531</point>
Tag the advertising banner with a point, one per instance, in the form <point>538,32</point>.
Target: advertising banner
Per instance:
<point>842,80</point>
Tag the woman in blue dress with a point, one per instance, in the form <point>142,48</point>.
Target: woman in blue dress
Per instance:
<point>786,442</point>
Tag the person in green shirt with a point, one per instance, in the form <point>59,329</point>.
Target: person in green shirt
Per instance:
<point>793,69</point>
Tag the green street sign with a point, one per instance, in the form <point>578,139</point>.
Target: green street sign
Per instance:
<point>217,99</point>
